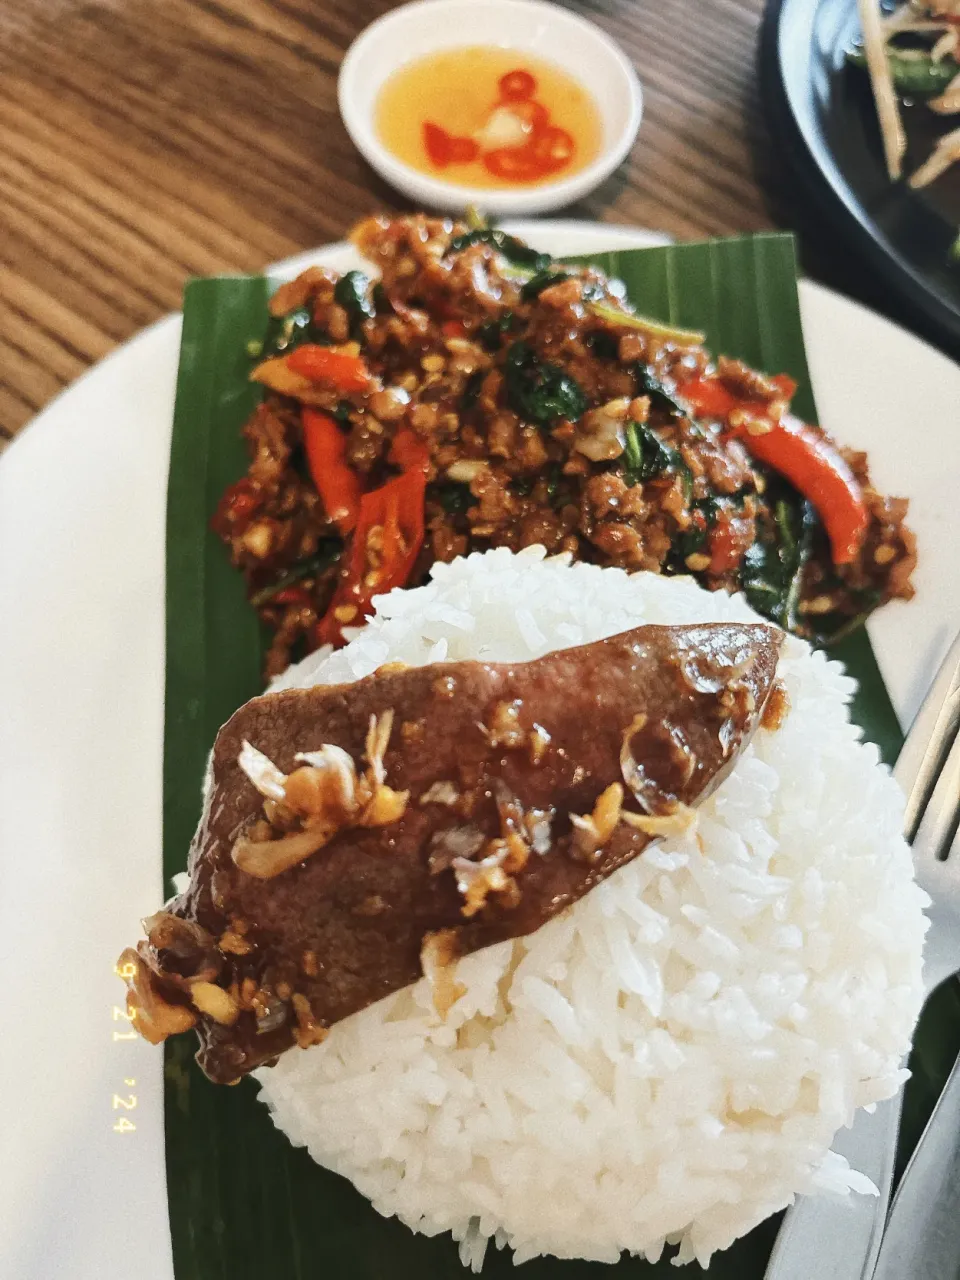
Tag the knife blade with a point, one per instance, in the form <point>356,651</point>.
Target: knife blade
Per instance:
<point>834,1238</point>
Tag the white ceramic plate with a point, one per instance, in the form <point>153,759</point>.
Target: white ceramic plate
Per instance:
<point>82,497</point>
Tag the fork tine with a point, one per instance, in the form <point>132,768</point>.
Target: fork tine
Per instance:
<point>938,826</point>
<point>929,740</point>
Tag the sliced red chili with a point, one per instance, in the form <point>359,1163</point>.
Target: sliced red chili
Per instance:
<point>728,540</point>
<point>801,453</point>
<point>553,146</point>
<point>517,85</point>
<point>436,142</point>
<point>382,553</point>
<point>236,506</point>
<point>408,451</point>
<point>445,148</point>
<point>533,114</point>
<point>337,482</point>
<point>711,398</point>
<point>322,364</point>
<point>292,595</point>
<point>513,164</point>
<point>815,467</point>
<point>463,150</point>
<point>548,150</point>
<point>708,397</point>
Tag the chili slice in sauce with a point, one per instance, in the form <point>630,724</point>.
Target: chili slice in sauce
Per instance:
<point>445,148</point>
<point>517,85</point>
<point>548,150</point>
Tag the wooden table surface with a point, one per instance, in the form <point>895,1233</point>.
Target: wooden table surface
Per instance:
<point>144,141</point>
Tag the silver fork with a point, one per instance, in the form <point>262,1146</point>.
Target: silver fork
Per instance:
<point>840,1240</point>
<point>922,1236</point>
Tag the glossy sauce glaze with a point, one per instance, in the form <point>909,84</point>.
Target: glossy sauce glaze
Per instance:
<point>488,117</point>
<point>437,810</point>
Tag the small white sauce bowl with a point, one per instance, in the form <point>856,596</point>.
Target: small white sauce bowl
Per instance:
<point>424,27</point>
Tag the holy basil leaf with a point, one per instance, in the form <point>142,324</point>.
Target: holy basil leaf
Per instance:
<point>326,554</point>
<point>514,250</point>
<point>539,391</point>
<point>491,332</point>
<point>542,280</point>
<point>703,516</point>
<point>453,497</point>
<point>284,333</point>
<point>648,384</point>
<point>603,344</point>
<point>645,454</point>
<point>558,488</point>
<point>352,292</point>
<point>471,391</point>
<point>773,566</point>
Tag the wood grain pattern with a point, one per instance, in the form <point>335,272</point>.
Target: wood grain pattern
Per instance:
<point>145,142</point>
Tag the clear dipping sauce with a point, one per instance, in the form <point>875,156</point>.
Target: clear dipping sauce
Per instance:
<point>488,117</point>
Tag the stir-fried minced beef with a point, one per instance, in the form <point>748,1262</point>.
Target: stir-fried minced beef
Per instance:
<point>538,413</point>
<point>356,835</point>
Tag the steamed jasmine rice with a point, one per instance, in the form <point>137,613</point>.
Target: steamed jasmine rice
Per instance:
<point>669,1060</point>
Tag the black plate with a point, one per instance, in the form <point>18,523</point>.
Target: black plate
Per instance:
<point>822,116</point>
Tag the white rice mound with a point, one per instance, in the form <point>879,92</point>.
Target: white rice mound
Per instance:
<point>669,1060</point>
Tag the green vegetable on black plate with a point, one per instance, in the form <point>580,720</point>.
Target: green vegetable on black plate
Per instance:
<point>514,250</point>
<point>538,391</point>
<point>352,292</point>
<point>921,76</point>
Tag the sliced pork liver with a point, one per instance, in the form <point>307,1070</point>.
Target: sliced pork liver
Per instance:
<point>494,759</point>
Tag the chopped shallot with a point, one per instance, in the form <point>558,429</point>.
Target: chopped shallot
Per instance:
<point>262,772</point>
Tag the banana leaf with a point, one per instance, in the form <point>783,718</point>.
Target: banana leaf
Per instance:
<point>244,1203</point>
